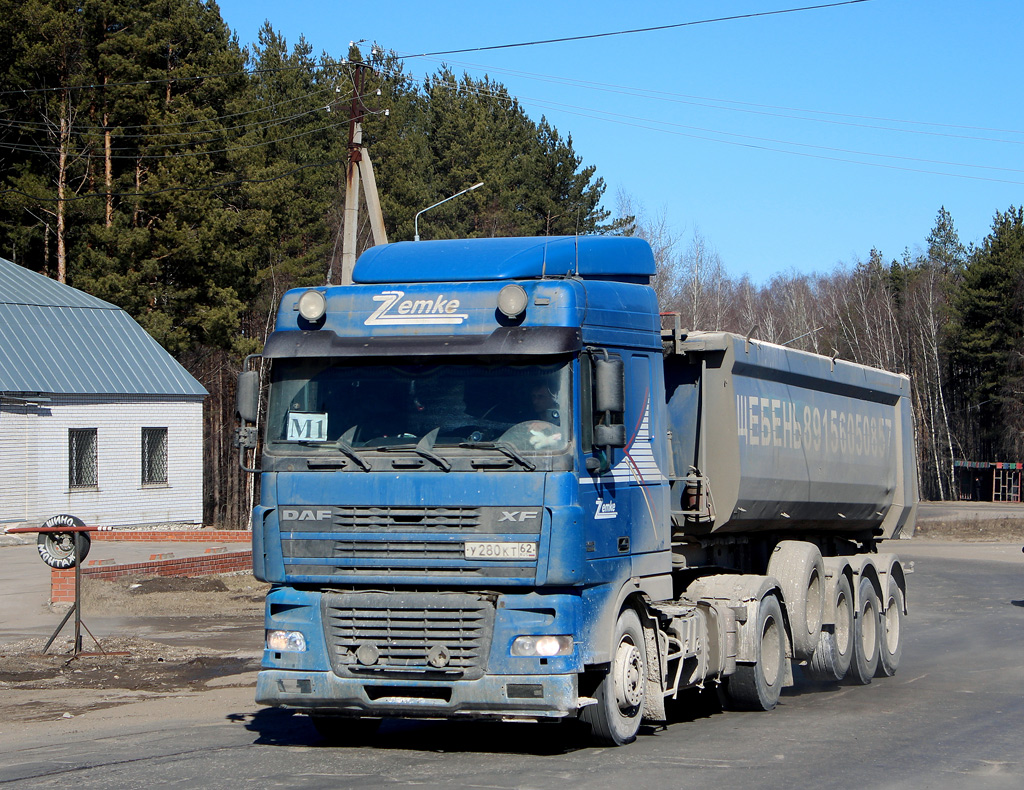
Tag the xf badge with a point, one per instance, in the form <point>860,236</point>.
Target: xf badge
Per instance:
<point>518,515</point>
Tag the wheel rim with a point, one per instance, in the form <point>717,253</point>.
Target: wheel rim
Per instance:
<point>869,631</point>
<point>842,627</point>
<point>61,544</point>
<point>629,676</point>
<point>770,664</point>
<point>815,603</point>
<point>892,626</point>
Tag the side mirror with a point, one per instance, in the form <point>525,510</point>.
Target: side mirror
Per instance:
<point>609,386</point>
<point>610,435</point>
<point>248,395</point>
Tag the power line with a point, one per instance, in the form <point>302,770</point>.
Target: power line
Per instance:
<point>84,129</point>
<point>682,98</point>
<point>565,39</point>
<point>659,126</point>
<point>155,81</point>
<point>221,136</point>
<point>184,154</point>
<point>796,153</point>
<point>150,193</point>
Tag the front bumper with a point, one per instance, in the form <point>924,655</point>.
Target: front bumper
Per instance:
<point>492,696</point>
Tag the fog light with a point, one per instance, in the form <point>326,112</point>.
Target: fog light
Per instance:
<point>312,306</point>
<point>512,300</point>
<point>542,646</point>
<point>286,641</point>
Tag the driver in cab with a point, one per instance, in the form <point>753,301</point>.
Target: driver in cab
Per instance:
<point>544,433</point>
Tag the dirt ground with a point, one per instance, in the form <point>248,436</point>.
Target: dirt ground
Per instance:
<point>36,687</point>
<point>972,529</point>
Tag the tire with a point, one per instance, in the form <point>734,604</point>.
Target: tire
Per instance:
<point>890,639</point>
<point>832,657</point>
<point>57,549</point>
<point>867,627</point>
<point>801,574</point>
<point>344,730</point>
<point>757,686</point>
<point>615,719</point>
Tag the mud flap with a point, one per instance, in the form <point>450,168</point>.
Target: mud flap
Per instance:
<point>656,644</point>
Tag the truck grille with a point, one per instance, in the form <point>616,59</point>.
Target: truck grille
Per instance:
<point>404,543</point>
<point>408,634</point>
<point>397,519</point>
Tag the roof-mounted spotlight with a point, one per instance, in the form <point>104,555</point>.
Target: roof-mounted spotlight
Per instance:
<point>512,301</point>
<point>312,306</point>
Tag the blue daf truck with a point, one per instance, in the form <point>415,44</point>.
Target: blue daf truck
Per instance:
<point>493,486</point>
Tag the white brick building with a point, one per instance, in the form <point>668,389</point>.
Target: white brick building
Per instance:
<point>96,419</point>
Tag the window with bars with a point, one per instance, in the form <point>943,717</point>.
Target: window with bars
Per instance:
<point>154,455</point>
<point>82,464</point>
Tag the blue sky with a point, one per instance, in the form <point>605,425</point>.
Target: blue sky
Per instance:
<point>792,142</point>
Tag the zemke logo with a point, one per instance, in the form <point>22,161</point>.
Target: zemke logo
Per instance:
<point>395,310</point>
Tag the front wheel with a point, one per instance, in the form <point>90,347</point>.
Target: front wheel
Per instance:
<point>757,686</point>
<point>615,719</point>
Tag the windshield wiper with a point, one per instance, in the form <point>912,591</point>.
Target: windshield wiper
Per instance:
<point>423,448</point>
<point>344,445</point>
<point>501,447</point>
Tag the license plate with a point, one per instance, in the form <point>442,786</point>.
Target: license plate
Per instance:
<point>492,550</point>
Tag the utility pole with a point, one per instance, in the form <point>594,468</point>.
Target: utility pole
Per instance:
<point>360,168</point>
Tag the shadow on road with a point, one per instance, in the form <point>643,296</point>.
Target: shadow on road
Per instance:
<point>276,727</point>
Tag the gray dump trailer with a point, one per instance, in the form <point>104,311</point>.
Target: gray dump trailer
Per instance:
<point>779,440</point>
<point>788,471</point>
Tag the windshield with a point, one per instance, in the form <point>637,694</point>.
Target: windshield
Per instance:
<point>332,404</point>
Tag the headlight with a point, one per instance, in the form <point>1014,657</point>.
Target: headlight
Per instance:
<point>542,646</point>
<point>312,306</point>
<point>286,641</point>
<point>512,300</point>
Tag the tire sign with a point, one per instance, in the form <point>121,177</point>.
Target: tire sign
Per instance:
<point>57,549</point>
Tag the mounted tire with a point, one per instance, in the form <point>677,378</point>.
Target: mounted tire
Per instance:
<point>801,574</point>
<point>867,627</point>
<point>345,730</point>
<point>615,719</point>
<point>57,549</point>
<point>890,639</point>
<point>832,657</point>
<point>757,686</point>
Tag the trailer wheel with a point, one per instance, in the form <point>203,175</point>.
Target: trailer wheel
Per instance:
<point>615,719</point>
<point>832,657</point>
<point>57,549</point>
<point>800,570</point>
<point>890,640</point>
<point>344,730</point>
<point>865,634</point>
<point>757,686</point>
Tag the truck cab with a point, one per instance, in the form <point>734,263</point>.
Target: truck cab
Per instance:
<point>460,482</point>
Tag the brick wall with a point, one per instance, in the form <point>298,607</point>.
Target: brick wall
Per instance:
<point>62,581</point>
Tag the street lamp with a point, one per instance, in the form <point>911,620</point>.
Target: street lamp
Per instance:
<point>416,219</point>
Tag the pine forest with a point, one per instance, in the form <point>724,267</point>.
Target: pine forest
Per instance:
<point>150,160</point>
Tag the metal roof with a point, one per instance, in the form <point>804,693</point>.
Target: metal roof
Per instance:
<point>56,339</point>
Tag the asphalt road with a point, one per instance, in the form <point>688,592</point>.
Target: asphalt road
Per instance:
<point>953,717</point>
